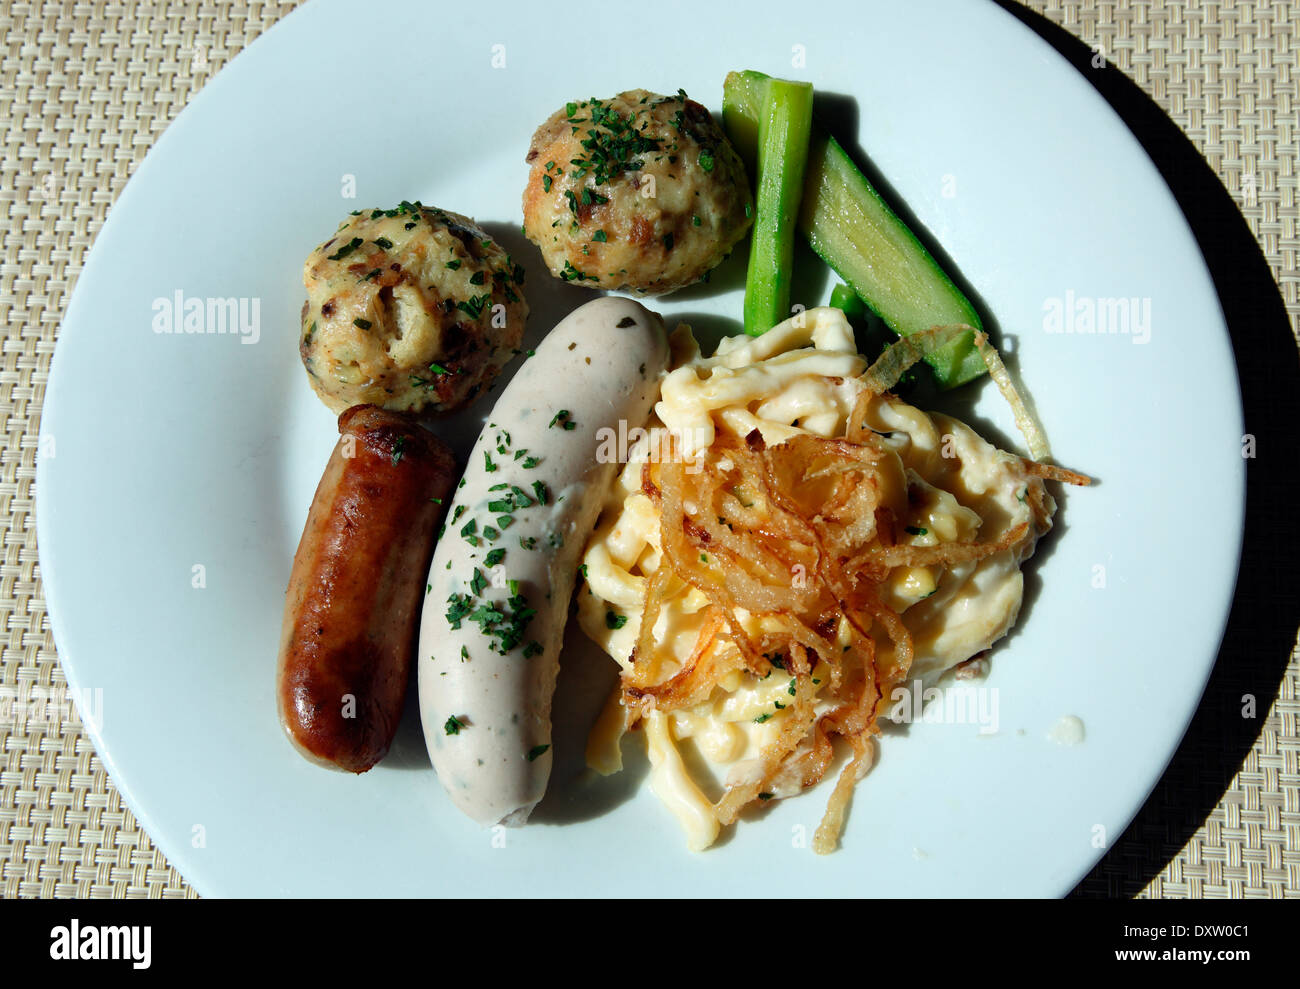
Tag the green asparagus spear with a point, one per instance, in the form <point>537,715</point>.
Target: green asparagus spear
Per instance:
<point>859,236</point>
<point>784,121</point>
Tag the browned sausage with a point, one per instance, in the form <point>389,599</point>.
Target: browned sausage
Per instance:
<point>355,591</point>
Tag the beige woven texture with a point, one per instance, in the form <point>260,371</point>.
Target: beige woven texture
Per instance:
<point>88,87</point>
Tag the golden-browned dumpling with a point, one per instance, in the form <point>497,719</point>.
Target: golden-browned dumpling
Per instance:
<point>411,309</point>
<point>640,192</point>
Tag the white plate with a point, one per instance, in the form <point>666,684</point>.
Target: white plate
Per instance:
<point>168,452</point>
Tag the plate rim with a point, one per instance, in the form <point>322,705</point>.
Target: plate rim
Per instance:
<point>212,91</point>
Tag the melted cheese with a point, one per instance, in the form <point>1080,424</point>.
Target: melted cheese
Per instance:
<point>944,481</point>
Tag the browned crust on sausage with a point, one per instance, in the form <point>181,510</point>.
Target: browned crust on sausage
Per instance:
<point>358,579</point>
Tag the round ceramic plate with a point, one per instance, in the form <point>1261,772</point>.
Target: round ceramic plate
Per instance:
<point>177,467</point>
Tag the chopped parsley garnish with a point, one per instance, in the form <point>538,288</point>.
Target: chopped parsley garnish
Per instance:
<point>384,242</point>
<point>761,718</point>
<point>561,419</point>
<point>706,159</point>
<point>477,582</point>
<point>535,751</point>
<point>539,489</point>
<point>572,274</point>
<point>532,649</point>
<point>612,145</point>
<point>454,725</point>
<point>527,543</point>
<point>546,183</point>
<point>438,369</point>
<point>365,324</point>
<point>490,533</point>
<point>916,531</point>
<point>613,620</point>
<point>505,623</point>
<point>425,383</point>
<point>505,521</point>
<point>474,307</point>
<point>346,249</point>
<point>453,265</point>
<point>494,557</point>
<point>397,449</point>
<point>459,607</point>
<point>476,278</point>
<point>488,465</point>
<point>599,237</point>
<point>460,510</point>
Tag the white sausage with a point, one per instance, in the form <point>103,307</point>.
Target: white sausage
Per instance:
<point>486,687</point>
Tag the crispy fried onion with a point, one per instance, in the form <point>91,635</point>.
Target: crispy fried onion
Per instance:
<point>902,354</point>
<point>895,359</point>
<point>795,537</point>
<point>1026,421</point>
<point>898,356</point>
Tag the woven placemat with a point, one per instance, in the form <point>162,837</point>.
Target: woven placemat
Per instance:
<point>88,87</point>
